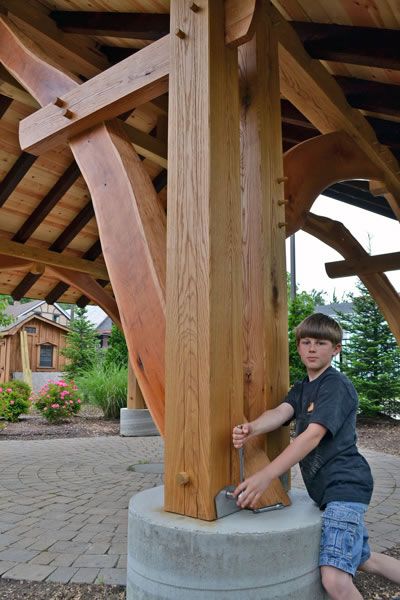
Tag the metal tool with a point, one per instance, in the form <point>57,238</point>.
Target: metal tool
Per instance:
<point>225,501</point>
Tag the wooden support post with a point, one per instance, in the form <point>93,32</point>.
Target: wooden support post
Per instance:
<point>266,376</point>
<point>26,370</point>
<point>204,390</point>
<point>135,397</point>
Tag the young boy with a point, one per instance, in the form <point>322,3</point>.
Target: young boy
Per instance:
<point>336,476</point>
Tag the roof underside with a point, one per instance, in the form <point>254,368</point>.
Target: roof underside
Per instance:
<point>44,202</point>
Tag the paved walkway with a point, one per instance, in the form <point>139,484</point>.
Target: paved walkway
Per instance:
<point>63,505</point>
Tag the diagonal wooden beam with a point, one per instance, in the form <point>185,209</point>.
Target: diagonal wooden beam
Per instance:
<point>131,82</point>
<point>67,179</point>
<point>70,232</point>
<point>81,56</point>
<point>147,145</point>
<point>139,26</point>
<point>87,285</point>
<point>369,46</point>
<point>39,255</point>
<point>338,237</point>
<point>91,254</point>
<point>15,175</point>
<point>309,86</point>
<point>10,88</point>
<point>368,264</point>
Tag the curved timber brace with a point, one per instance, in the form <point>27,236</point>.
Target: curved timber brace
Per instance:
<point>135,255</point>
<point>311,167</point>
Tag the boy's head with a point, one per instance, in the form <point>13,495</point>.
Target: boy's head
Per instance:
<point>318,340</point>
<point>319,327</point>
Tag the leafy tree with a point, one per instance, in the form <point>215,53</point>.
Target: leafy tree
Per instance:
<point>82,345</point>
<point>117,351</point>
<point>371,356</point>
<point>300,307</point>
<point>4,319</point>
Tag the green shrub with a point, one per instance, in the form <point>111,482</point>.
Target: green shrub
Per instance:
<point>58,400</point>
<point>368,407</point>
<point>24,389</point>
<point>14,400</point>
<point>106,388</point>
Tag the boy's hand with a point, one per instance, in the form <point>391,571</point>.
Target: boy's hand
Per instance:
<point>241,434</point>
<point>250,490</point>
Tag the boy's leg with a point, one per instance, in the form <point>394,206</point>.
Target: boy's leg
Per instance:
<point>339,584</point>
<point>344,545</point>
<point>381,564</point>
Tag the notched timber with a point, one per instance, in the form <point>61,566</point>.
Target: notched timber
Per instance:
<point>371,264</point>
<point>336,235</point>
<point>239,21</point>
<point>34,254</point>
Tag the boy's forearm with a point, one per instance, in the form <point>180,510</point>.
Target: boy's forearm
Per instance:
<point>294,453</point>
<point>267,421</point>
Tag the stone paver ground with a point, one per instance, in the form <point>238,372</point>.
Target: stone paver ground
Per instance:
<point>63,505</point>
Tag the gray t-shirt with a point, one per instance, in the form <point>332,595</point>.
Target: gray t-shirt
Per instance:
<point>334,470</point>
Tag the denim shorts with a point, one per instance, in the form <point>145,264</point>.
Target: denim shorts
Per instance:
<point>344,537</point>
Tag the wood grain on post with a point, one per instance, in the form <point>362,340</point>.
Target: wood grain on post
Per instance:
<point>203,342</point>
<point>266,375</point>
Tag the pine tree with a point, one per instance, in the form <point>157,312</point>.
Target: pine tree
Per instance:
<point>117,351</point>
<point>371,356</point>
<point>82,345</point>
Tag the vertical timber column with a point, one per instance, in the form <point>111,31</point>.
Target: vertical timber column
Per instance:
<point>266,369</point>
<point>135,397</point>
<point>204,387</point>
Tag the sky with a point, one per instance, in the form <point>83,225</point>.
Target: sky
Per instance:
<point>381,234</point>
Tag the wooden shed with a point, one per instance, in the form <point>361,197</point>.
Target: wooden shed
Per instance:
<point>46,328</point>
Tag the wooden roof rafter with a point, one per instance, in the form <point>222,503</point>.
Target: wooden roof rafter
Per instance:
<point>369,46</point>
<point>139,26</point>
<point>15,175</point>
<point>63,240</point>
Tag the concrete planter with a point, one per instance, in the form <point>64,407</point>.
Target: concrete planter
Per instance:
<point>137,422</point>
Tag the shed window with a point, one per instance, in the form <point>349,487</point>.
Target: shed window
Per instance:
<point>46,355</point>
<point>30,329</point>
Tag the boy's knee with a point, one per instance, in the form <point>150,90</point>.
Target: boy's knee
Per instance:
<point>337,583</point>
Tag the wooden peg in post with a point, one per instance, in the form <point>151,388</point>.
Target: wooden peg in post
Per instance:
<point>282,224</point>
<point>68,114</point>
<point>182,478</point>
<point>194,7</point>
<point>282,179</point>
<point>59,102</point>
<point>181,34</point>
<point>280,202</point>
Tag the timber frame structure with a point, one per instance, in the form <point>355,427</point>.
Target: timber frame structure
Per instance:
<point>253,108</point>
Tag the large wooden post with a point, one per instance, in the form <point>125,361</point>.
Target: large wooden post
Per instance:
<point>204,392</point>
<point>265,296</point>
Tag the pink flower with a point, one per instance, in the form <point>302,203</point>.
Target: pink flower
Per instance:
<point>11,401</point>
<point>71,401</point>
<point>1,389</point>
<point>55,405</point>
<point>8,390</point>
<point>79,401</point>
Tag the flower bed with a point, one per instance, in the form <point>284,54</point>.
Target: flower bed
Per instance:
<point>58,401</point>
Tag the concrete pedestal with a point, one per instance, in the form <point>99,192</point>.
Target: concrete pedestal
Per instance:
<point>136,422</point>
<point>246,556</point>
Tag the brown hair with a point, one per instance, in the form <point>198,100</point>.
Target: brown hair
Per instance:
<point>320,327</point>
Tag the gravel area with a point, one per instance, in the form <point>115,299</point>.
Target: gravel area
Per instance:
<point>375,434</point>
